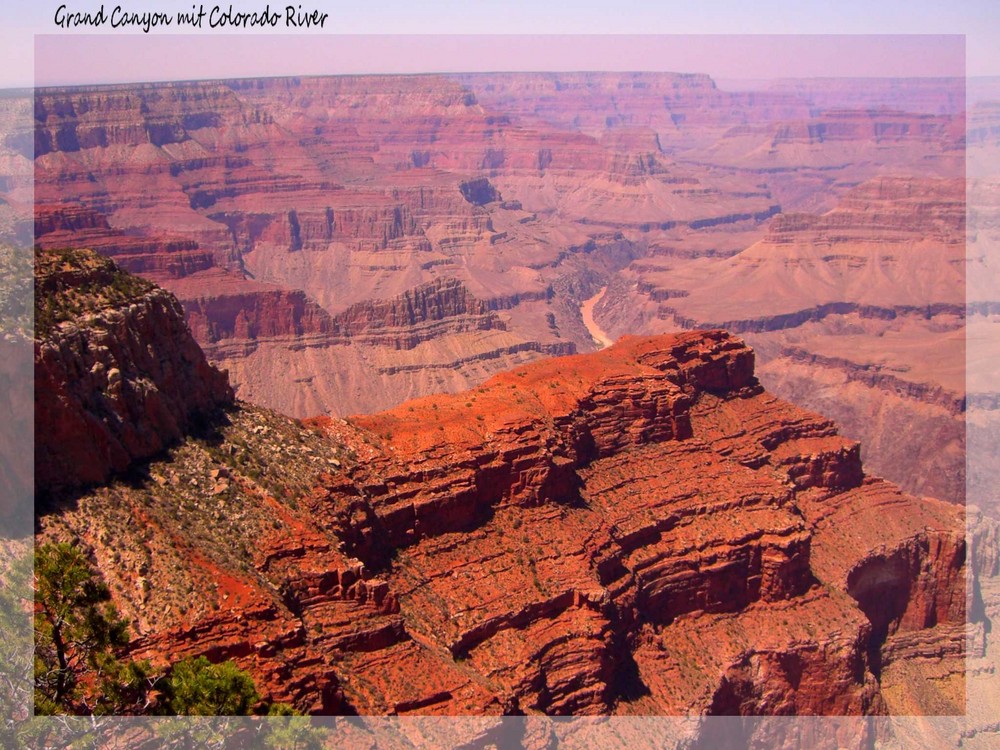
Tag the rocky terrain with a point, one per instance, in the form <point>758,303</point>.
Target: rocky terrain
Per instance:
<point>642,530</point>
<point>117,375</point>
<point>15,384</point>
<point>535,217</point>
<point>289,215</point>
<point>16,214</point>
<point>858,313</point>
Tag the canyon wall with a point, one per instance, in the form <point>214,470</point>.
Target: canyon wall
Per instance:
<point>234,195</point>
<point>858,313</point>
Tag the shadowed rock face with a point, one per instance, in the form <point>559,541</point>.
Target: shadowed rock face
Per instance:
<point>639,530</point>
<point>118,376</point>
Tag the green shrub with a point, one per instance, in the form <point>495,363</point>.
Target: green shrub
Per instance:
<point>196,687</point>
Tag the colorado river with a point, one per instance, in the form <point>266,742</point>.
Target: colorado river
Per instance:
<point>587,311</point>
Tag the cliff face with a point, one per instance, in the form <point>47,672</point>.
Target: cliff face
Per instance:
<point>639,544</point>
<point>338,192</point>
<point>641,530</point>
<point>117,375</point>
<point>435,336</point>
<point>891,246</point>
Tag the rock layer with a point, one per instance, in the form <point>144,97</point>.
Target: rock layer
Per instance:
<point>640,530</point>
<point>858,313</point>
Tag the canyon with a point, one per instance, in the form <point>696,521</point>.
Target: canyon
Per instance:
<point>637,529</point>
<point>642,530</point>
<point>343,244</point>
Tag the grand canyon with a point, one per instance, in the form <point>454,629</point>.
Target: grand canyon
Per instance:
<point>492,394</point>
<point>342,244</point>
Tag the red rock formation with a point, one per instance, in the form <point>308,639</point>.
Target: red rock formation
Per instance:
<point>671,104</point>
<point>924,95</point>
<point>251,312</point>
<point>641,530</point>
<point>442,302</point>
<point>862,319</point>
<point>637,533</point>
<point>351,189</point>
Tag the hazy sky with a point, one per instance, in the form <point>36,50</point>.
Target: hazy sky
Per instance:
<point>77,59</point>
<point>132,54</point>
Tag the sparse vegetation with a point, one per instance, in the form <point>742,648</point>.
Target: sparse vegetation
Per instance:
<point>79,669</point>
<point>15,646</point>
<point>78,632</point>
<point>72,284</point>
<point>15,290</point>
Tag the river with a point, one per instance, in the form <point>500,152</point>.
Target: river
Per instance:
<point>587,311</point>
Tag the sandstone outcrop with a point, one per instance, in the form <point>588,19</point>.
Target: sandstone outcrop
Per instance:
<point>277,206</point>
<point>640,530</point>
<point>863,318</point>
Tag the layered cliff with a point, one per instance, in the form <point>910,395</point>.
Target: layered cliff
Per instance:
<point>341,191</point>
<point>647,576</point>
<point>290,353</point>
<point>641,530</point>
<point>117,375</point>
